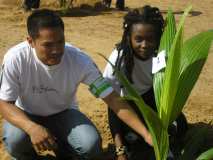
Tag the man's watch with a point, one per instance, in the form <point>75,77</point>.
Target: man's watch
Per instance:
<point>120,150</point>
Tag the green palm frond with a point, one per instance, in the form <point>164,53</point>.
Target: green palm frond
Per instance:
<point>207,155</point>
<point>194,54</point>
<point>166,43</point>
<point>171,77</point>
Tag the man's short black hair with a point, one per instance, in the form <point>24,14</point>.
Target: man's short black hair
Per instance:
<point>43,18</point>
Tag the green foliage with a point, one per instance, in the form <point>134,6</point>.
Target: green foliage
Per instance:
<point>185,60</point>
<point>208,155</point>
<point>166,43</point>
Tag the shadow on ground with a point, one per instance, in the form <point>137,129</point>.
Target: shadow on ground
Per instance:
<point>208,128</point>
<point>87,10</point>
<point>199,138</point>
<point>191,13</point>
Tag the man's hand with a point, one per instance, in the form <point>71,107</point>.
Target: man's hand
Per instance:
<point>148,139</point>
<point>121,157</point>
<point>41,139</point>
<point>125,112</point>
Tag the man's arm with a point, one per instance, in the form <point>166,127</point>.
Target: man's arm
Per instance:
<point>40,137</point>
<point>15,116</point>
<point>128,115</point>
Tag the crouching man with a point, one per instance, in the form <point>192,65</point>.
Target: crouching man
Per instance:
<point>38,88</point>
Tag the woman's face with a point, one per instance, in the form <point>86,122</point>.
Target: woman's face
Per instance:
<point>143,40</point>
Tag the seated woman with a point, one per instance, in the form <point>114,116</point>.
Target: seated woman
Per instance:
<point>143,28</point>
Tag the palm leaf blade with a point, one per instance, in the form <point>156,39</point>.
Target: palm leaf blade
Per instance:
<point>165,44</point>
<point>207,155</point>
<point>194,54</point>
<point>172,73</point>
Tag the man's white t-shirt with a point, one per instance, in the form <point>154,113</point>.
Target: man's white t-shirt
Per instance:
<point>141,75</point>
<point>45,90</point>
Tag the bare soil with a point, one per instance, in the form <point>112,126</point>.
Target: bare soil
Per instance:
<point>96,30</point>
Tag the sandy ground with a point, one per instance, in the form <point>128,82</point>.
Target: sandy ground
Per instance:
<point>96,31</point>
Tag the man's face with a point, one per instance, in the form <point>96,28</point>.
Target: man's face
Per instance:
<point>49,45</point>
<point>143,40</point>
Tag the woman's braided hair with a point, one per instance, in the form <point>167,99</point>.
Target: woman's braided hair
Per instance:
<point>144,15</point>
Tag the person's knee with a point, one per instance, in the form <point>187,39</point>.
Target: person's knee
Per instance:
<point>86,142</point>
<point>16,141</point>
<point>13,143</point>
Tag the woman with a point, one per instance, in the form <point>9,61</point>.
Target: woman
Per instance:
<point>143,28</point>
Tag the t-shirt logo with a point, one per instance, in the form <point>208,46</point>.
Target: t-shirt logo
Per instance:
<point>42,89</point>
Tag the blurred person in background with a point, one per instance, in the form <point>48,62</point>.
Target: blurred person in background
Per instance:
<point>120,4</point>
<point>28,5</point>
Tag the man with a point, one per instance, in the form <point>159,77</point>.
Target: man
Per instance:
<point>39,81</point>
<point>120,4</point>
<point>30,4</point>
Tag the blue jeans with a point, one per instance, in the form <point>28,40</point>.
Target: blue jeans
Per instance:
<point>76,136</point>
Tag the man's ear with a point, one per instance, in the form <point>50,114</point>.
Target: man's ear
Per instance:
<point>30,41</point>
